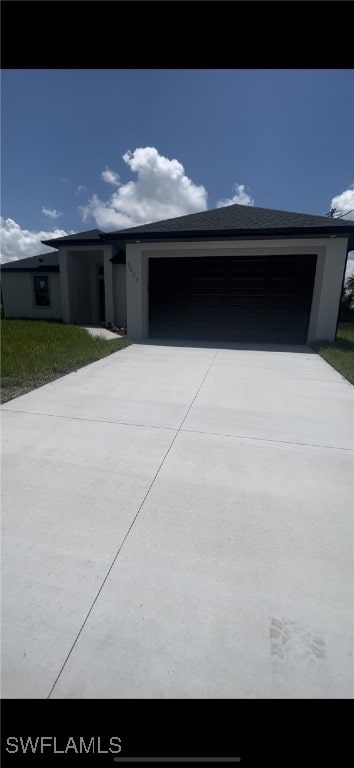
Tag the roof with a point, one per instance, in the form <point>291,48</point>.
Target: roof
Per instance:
<point>89,237</point>
<point>228,221</point>
<point>44,262</point>
<point>237,220</point>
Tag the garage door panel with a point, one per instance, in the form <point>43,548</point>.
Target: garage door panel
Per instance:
<point>204,270</point>
<point>246,300</point>
<point>192,300</point>
<point>241,284</point>
<point>206,300</point>
<point>295,288</point>
<point>253,320</point>
<point>263,298</point>
<point>284,318</point>
<point>198,319</point>
<point>283,301</point>
<point>210,285</point>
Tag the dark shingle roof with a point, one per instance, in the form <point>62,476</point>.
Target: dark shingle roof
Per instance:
<point>90,236</point>
<point>237,220</point>
<point>46,262</point>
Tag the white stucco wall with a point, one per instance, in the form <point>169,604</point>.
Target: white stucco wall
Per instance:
<point>19,297</point>
<point>120,294</point>
<point>327,290</point>
<point>331,257</point>
<point>137,272</point>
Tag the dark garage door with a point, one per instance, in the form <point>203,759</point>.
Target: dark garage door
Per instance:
<point>237,299</point>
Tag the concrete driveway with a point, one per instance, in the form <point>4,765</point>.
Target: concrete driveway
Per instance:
<point>178,522</point>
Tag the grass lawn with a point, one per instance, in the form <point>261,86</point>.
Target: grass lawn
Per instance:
<point>340,353</point>
<point>35,352</point>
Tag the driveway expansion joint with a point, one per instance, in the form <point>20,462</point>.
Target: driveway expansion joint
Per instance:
<point>128,531</point>
<point>90,421</point>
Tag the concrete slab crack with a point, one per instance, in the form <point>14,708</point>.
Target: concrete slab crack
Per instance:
<point>267,440</point>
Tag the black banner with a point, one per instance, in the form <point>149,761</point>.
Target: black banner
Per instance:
<point>176,732</point>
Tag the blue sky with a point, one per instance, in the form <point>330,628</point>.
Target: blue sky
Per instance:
<point>274,138</point>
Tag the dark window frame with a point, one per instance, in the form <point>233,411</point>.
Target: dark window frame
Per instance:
<point>41,295</point>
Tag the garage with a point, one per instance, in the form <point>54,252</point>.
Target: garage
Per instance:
<point>265,299</point>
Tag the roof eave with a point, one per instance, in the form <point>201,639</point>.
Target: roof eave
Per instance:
<point>237,233</point>
<point>41,268</point>
<point>59,243</point>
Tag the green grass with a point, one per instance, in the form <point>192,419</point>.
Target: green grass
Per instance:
<point>34,352</point>
<point>340,353</point>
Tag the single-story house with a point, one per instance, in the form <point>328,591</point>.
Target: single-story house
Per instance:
<point>238,274</point>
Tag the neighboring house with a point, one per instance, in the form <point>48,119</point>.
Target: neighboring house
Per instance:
<point>238,273</point>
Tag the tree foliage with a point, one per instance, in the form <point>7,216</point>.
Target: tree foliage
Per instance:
<point>346,307</point>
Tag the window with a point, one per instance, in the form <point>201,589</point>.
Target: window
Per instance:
<point>41,291</point>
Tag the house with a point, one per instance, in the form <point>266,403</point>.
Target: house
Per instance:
<point>238,274</point>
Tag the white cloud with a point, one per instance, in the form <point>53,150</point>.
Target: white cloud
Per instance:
<point>161,191</point>
<point>81,188</point>
<point>350,267</point>
<point>52,213</point>
<point>17,243</point>
<point>111,177</point>
<point>344,203</point>
<point>241,197</point>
